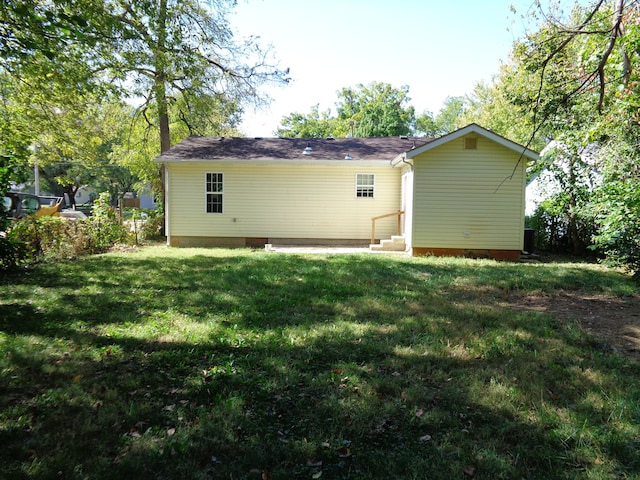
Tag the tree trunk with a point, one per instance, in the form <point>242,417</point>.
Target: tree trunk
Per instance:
<point>161,90</point>
<point>71,191</point>
<point>577,246</point>
<point>160,77</point>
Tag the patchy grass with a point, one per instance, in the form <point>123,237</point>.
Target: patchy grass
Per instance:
<point>248,365</point>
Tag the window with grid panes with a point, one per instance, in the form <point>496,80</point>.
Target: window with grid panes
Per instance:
<point>365,185</point>
<point>214,192</point>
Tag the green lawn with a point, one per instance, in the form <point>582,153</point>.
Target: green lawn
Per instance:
<point>234,364</point>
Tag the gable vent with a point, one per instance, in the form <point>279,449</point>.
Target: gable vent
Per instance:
<point>470,143</point>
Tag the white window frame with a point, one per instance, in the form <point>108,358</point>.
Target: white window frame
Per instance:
<point>365,185</point>
<point>217,183</point>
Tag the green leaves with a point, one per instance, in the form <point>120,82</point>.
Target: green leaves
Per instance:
<point>46,28</point>
<point>618,208</point>
<point>315,124</point>
<point>575,81</point>
<point>67,57</point>
<point>373,110</point>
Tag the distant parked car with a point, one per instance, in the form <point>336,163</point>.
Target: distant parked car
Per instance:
<point>19,205</point>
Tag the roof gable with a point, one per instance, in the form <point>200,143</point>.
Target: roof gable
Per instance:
<point>477,129</point>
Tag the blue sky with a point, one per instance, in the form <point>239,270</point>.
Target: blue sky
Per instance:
<point>437,48</point>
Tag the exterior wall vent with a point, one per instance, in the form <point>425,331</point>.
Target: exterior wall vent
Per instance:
<point>470,143</point>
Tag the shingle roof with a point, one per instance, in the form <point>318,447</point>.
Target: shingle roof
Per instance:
<point>221,148</point>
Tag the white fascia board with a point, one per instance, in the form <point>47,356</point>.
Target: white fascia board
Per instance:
<point>306,163</point>
<point>401,161</point>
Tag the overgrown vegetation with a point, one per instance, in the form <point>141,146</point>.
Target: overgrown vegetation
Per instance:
<point>575,79</point>
<point>10,251</point>
<point>619,234</point>
<point>221,364</point>
<point>52,239</point>
<point>555,234</point>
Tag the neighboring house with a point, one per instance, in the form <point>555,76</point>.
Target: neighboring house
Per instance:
<point>560,161</point>
<point>87,194</point>
<point>461,194</point>
<point>533,196</point>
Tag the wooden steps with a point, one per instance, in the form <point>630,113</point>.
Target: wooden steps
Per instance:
<point>395,244</point>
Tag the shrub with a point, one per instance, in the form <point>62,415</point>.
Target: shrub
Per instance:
<point>41,238</point>
<point>54,238</point>
<point>144,224</point>
<point>619,235</point>
<point>153,227</point>
<point>12,253</point>
<point>550,229</point>
<point>104,227</point>
<point>552,226</point>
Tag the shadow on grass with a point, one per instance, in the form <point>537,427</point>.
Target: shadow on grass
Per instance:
<point>277,366</point>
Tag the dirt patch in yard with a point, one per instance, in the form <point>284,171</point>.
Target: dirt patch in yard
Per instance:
<point>613,322</point>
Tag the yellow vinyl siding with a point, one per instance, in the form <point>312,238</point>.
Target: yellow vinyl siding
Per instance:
<point>466,198</point>
<point>282,201</point>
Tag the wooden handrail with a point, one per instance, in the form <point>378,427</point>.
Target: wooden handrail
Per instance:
<point>399,214</point>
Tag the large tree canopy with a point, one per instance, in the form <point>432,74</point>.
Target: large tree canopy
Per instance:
<point>580,88</point>
<point>373,110</point>
<point>315,124</point>
<point>52,29</point>
<point>170,48</point>
<point>447,120</point>
<point>585,57</point>
<point>178,61</point>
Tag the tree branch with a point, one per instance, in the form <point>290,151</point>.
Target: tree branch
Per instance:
<point>616,31</point>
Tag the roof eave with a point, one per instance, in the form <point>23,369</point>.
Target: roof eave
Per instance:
<point>400,159</point>
<point>276,161</point>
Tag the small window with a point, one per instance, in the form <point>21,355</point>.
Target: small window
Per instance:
<point>214,192</point>
<point>365,185</point>
<point>470,143</point>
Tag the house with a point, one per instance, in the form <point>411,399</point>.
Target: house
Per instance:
<point>460,194</point>
<point>561,160</point>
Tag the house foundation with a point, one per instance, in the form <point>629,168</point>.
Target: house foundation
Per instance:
<point>469,253</point>
<point>260,242</point>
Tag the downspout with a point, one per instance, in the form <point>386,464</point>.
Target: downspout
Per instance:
<point>410,201</point>
<point>395,162</point>
<point>167,200</point>
<point>404,160</point>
